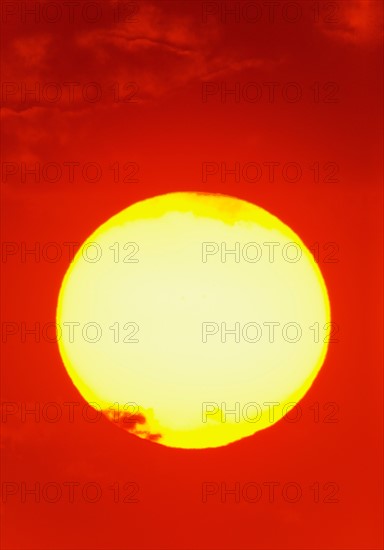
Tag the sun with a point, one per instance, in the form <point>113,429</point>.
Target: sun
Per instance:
<point>193,320</point>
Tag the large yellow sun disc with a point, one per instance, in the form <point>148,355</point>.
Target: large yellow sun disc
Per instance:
<point>193,320</point>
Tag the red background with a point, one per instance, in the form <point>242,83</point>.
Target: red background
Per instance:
<point>168,51</point>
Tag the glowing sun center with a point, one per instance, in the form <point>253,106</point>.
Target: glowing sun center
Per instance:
<point>185,316</point>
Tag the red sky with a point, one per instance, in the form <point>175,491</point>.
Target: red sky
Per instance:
<point>132,96</point>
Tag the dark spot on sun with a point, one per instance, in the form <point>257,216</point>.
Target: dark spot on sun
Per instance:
<point>131,423</point>
<point>133,419</point>
<point>149,436</point>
